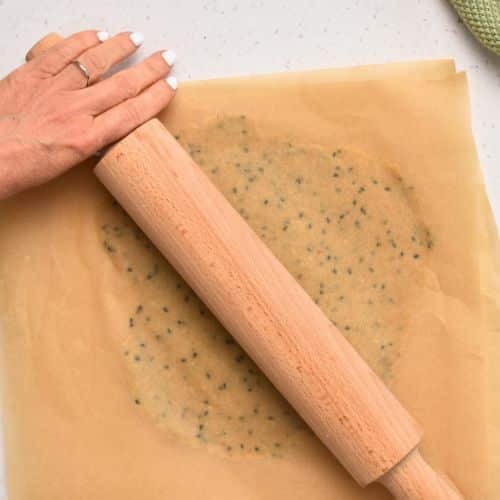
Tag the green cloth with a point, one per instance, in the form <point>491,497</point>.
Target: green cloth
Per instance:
<point>482,17</point>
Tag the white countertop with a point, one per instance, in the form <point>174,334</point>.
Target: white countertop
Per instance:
<point>221,38</point>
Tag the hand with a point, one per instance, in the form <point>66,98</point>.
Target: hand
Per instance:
<point>51,120</point>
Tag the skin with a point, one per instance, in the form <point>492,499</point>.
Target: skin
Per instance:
<point>50,120</point>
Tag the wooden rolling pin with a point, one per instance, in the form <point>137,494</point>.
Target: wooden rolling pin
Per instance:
<point>269,314</point>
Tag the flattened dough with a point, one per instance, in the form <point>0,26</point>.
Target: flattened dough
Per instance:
<point>325,214</point>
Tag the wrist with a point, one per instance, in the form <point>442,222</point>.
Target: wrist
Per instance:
<point>11,153</point>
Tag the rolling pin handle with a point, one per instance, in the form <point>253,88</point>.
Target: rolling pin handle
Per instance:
<point>42,45</point>
<point>414,479</point>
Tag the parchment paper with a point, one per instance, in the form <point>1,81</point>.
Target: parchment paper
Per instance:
<point>119,384</point>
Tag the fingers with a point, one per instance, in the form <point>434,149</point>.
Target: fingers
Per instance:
<point>128,83</point>
<point>62,53</point>
<point>122,119</point>
<point>99,59</point>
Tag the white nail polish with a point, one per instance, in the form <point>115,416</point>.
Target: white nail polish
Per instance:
<point>170,56</point>
<point>137,38</point>
<point>102,36</point>
<point>172,82</point>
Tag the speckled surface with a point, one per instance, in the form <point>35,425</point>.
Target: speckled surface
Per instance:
<point>221,38</point>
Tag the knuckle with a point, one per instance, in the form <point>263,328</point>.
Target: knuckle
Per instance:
<point>128,86</point>
<point>95,62</point>
<point>133,114</point>
<point>65,52</point>
<point>84,144</point>
<point>45,69</point>
<point>155,65</point>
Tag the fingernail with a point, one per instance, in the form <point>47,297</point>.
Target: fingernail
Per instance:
<point>172,82</point>
<point>102,36</point>
<point>170,56</point>
<point>137,38</point>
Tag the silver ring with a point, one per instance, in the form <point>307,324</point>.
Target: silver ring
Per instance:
<point>84,70</point>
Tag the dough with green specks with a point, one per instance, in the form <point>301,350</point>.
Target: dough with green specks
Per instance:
<point>345,227</point>
<point>120,384</point>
